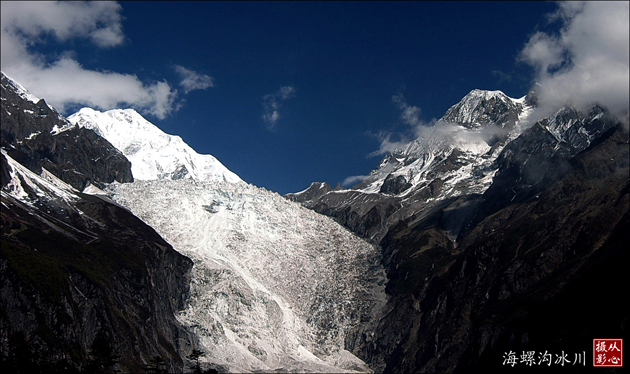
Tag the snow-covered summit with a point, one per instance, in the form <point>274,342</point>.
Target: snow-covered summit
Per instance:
<point>459,149</point>
<point>481,107</point>
<point>456,156</point>
<point>153,153</point>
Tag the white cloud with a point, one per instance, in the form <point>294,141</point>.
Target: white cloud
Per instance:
<point>544,52</point>
<point>387,145</point>
<point>99,21</point>
<point>192,80</point>
<point>272,104</point>
<point>410,115</point>
<point>352,180</point>
<point>286,92</point>
<point>587,61</point>
<point>429,134</point>
<point>64,83</point>
<point>271,118</point>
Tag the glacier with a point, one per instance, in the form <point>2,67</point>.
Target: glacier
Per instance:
<point>275,286</point>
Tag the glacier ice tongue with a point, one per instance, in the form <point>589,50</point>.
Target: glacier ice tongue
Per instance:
<point>275,286</point>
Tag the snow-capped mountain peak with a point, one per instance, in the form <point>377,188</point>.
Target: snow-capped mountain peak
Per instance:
<point>454,157</point>
<point>480,107</point>
<point>460,147</point>
<point>153,153</point>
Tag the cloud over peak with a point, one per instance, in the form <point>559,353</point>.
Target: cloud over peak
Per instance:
<point>409,115</point>
<point>586,62</point>
<point>65,84</point>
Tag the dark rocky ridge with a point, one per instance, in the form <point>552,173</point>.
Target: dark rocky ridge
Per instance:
<point>313,192</point>
<point>528,162</point>
<point>371,214</point>
<point>77,155</point>
<point>395,185</point>
<point>82,279</point>
<point>68,280</point>
<point>520,280</point>
<point>472,277</point>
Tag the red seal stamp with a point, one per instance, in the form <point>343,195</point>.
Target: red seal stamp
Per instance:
<point>607,352</point>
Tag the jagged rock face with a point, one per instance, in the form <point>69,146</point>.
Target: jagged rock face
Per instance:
<point>79,274</point>
<point>365,216</point>
<point>543,153</point>
<point>313,192</point>
<point>76,267</point>
<point>503,261</point>
<point>38,137</point>
<point>394,185</point>
<point>464,142</point>
<point>456,157</point>
<point>481,108</point>
<point>517,281</point>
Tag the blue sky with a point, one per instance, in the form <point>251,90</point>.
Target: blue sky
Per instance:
<point>282,93</point>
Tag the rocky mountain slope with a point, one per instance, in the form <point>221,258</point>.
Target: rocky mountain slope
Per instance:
<point>502,257</point>
<point>455,157</point>
<point>35,135</point>
<point>489,234</point>
<point>86,286</point>
<point>516,280</point>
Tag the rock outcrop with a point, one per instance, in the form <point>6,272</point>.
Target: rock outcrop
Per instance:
<point>35,135</point>
<point>85,285</point>
<point>516,245</point>
<point>523,279</point>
